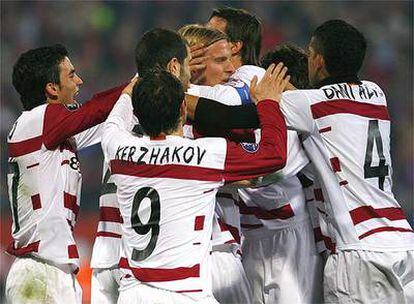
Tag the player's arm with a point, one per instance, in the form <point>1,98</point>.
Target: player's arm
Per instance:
<point>61,122</point>
<point>207,113</point>
<point>270,156</point>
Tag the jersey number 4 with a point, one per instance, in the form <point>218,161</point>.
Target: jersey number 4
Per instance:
<point>380,171</point>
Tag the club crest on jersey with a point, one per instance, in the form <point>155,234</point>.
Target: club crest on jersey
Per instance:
<point>250,147</point>
<point>72,106</point>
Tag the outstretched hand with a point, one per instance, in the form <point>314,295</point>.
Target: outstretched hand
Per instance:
<point>272,84</point>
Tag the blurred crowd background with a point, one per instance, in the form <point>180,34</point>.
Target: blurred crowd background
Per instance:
<point>101,38</point>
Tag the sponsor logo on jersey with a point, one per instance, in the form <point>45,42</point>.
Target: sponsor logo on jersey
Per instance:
<point>250,147</point>
<point>72,106</point>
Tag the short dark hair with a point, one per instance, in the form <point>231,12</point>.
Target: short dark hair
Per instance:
<point>342,47</point>
<point>33,70</point>
<point>294,58</point>
<point>156,100</point>
<point>156,48</point>
<point>245,27</point>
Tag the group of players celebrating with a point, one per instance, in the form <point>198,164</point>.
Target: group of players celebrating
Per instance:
<point>222,182</point>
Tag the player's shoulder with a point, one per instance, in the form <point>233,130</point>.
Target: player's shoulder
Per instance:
<point>308,95</point>
<point>28,125</point>
<point>246,73</point>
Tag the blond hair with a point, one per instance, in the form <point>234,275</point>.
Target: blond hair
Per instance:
<point>196,33</point>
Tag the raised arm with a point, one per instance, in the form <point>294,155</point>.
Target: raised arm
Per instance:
<point>62,122</point>
<point>246,161</point>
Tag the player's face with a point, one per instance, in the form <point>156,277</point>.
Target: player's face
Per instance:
<point>313,64</point>
<point>218,64</point>
<point>185,73</point>
<point>69,83</point>
<point>218,24</point>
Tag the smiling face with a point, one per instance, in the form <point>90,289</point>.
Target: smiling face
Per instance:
<point>218,64</point>
<point>69,83</point>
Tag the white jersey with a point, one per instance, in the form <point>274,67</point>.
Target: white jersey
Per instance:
<point>107,246</point>
<point>280,204</point>
<point>45,179</point>
<point>234,92</point>
<point>275,206</point>
<point>348,140</point>
<point>166,192</point>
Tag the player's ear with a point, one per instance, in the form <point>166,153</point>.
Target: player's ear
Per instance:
<point>173,66</point>
<point>52,90</point>
<point>236,47</point>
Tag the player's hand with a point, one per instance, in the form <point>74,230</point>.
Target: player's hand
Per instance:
<point>197,59</point>
<point>272,84</point>
<point>290,87</point>
<point>128,89</point>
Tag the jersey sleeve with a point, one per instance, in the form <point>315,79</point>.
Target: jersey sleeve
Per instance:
<point>224,94</point>
<point>119,121</point>
<point>246,161</point>
<point>295,107</point>
<point>62,122</point>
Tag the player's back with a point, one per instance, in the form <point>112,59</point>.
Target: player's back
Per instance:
<point>350,147</point>
<point>166,191</point>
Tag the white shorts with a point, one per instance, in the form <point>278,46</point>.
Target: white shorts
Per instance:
<point>34,281</point>
<point>230,284</point>
<point>283,266</point>
<point>144,294</point>
<point>358,276</point>
<point>104,286</point>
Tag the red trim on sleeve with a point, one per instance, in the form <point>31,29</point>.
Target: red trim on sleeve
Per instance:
<point>365,213</point>
<point>161,274</point>
<point>345,106</point>
<point>36,201</point>
<point>73,252</point>
<point>24,147</point>
<point>60,123</point>
<point>32,247</point>
<point>110,214</point>
<point>199,223</point>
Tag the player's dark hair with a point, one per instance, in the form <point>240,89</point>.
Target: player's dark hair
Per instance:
<point>342,47</point>
<point>33,70</point>
<point>156,100</point>
<point>245,27</point>
<point>156,48</point>
<point>294,58</point>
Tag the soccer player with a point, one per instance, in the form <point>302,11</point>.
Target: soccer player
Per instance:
<point>347,129</point>
<point>275,222</point>
<point>45,179</point>
<point>230,284</point>
<point>158,48</point>
<point>167,185</point>
<point>276,212</point>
